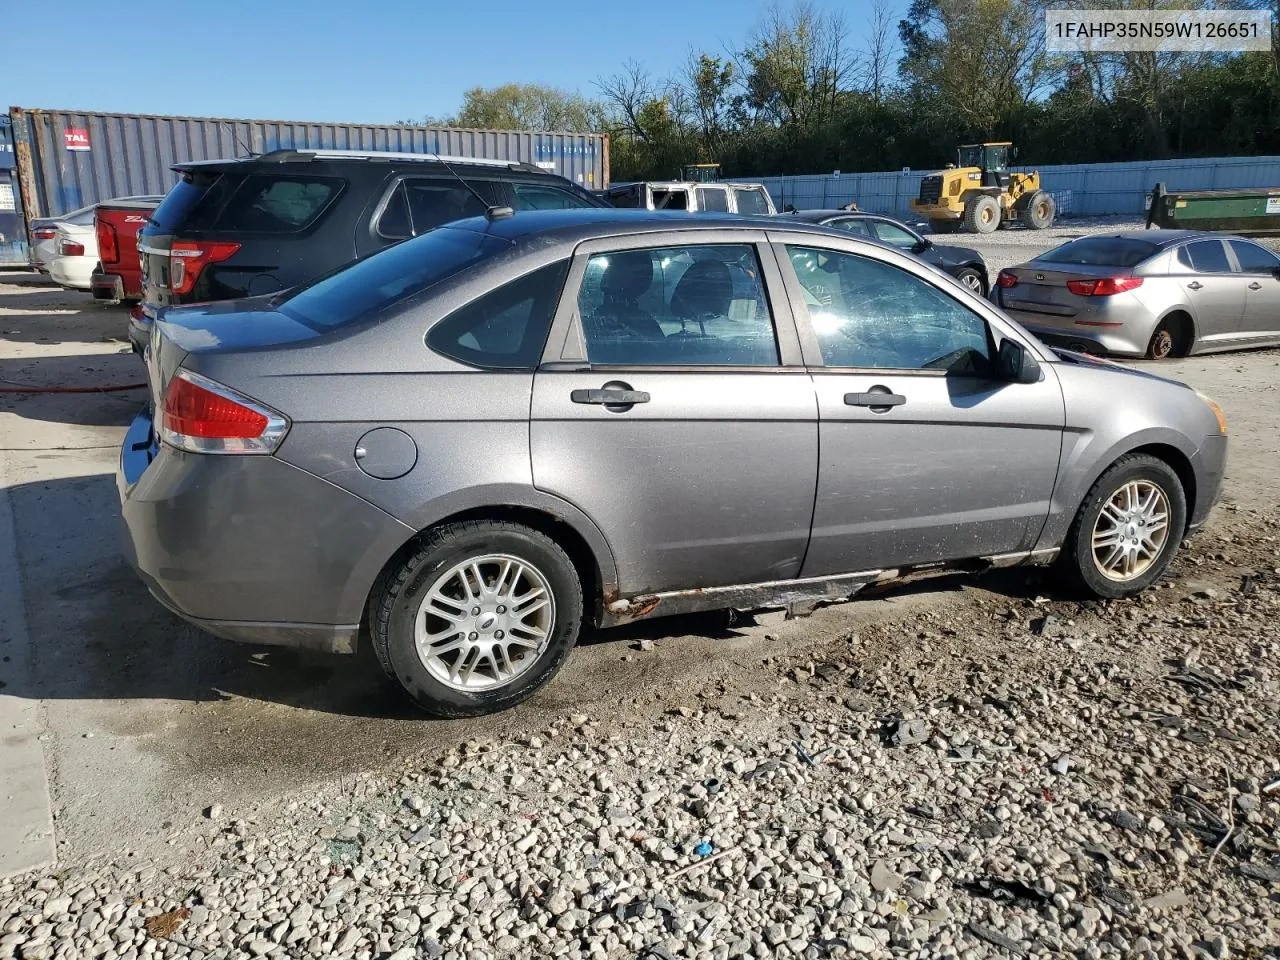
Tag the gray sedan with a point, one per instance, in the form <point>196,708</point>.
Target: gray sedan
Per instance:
<point>469,444</point>
<point>1153,293</point>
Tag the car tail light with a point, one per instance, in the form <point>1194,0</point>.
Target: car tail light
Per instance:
<point>1104,287</point>
<point>1006,279</point>
<point>188,258</point>
<point>108,249</point>
<point>69,248</point>
<point>44,233</point>
<point>202,416</point>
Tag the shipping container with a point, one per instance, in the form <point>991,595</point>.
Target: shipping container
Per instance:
<point>13,226</point>
<point>67,159</point>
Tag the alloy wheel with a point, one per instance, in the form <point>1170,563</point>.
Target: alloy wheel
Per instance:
<point>484,622</point>
<point>1130,531</point>
<point>972,281</point>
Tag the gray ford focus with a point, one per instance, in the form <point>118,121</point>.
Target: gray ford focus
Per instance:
<point>465,446</point>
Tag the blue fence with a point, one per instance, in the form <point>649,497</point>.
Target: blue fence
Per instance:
<point>1082,189</point>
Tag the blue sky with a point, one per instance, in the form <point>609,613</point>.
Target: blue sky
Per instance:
<point>371,62</point>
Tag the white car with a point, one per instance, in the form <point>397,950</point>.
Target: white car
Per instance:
<point>44,235</point>
<point>75,254</point>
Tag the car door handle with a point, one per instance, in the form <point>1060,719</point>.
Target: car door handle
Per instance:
<point>1194,285</point>
<point>875,399</point>
<point>610,397</point>
<point>1255,285</point>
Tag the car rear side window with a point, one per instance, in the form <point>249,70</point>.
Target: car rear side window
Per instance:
<point>1254,259</point>
<point>866,313</point>
<point>180,204</point>
<point>699,305</point>
<point>1207,256</point>
<point>751,201</point>
<point>852,225</point>
<point>1102,252</point>
<point>375,284</point>
<point>269,203</point>
<point>506,328</point>
<point>713,199</point>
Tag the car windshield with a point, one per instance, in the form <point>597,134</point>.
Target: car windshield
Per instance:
<point>1102,252</point>
<point>371,285</point>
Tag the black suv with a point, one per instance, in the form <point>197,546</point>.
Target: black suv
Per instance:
<point>241,228</point>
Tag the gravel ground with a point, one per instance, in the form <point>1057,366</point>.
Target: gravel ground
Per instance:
<point>1015,775</point>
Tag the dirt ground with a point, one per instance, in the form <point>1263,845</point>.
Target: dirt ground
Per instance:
<point>146,721</point>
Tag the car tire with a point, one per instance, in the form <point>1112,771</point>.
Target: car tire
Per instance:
<point>982,214</point>
<point>1098,554</point>
<point>973,279</point>
<point>453,661</point>
<point>1038,211</point>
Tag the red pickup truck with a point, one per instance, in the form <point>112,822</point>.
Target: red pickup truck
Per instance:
<point>117,223</point>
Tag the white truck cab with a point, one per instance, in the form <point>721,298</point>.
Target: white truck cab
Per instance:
<point>719,197</point>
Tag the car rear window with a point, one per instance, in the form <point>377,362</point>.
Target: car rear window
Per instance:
<point>1102,252</point>
<point>376,283</point>
<point>269,203</point>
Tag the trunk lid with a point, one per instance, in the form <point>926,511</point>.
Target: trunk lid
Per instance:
<point>1042,288</point>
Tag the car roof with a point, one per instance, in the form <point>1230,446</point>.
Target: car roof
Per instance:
<point>588,223</point>
<point>289,160</point>
<point>816,216</point>
<point>1160,238</point>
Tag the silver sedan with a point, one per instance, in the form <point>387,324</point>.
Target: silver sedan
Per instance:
<point>1152,293</point>
<point>467,445</point>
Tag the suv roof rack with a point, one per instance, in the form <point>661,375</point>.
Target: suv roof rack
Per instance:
<point>290,155</point>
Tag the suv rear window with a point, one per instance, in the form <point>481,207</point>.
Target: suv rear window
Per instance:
<point>374,284</point>
<point>1102,252</point>
<point>268,203</point>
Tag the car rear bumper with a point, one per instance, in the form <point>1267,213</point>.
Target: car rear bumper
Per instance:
<point>250,548</point>
<point>1118,324</point>
<point>106,286</point>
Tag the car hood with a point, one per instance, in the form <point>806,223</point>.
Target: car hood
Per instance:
<point>231,325</point>
<point>1088,360</point>
<point>958,254</point>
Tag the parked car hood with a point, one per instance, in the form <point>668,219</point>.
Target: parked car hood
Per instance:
<point>1088,360</point>
<point>958,254</point>
<point>230,325</point>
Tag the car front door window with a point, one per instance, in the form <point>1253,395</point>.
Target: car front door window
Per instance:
<point>869,313</point>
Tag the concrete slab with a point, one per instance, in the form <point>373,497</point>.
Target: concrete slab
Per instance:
<point>26,824</point>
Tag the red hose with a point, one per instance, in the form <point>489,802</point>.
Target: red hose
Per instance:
<point>114,389</point>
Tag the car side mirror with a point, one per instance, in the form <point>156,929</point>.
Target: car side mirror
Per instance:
<point>1275,272</point>
<point>1015,364</point>
<point>921,246</point>
<point>789,208</point>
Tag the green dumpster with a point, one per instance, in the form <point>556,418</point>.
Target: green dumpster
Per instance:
<point>1239,211</point>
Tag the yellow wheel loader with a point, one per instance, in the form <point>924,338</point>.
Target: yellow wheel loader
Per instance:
<point>979,193</point>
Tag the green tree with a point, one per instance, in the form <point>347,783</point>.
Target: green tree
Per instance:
<point>529,106</point>
<point>978,63</point>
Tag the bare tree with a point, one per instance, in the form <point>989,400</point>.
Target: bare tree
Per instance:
<point>878,59</point>
<point>630,94</point>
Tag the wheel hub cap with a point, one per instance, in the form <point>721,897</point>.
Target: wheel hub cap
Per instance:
<point>484,622</point>
<point>1131,531</point>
